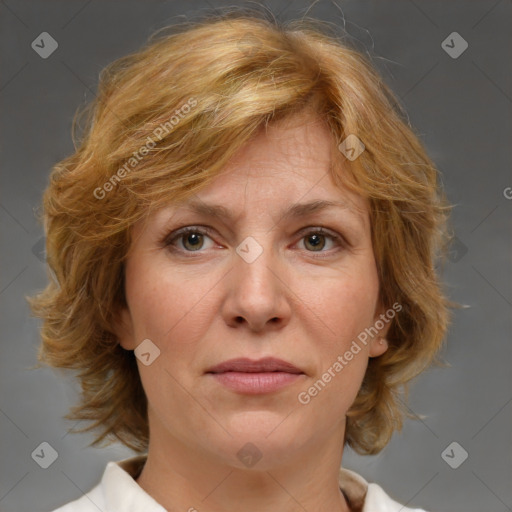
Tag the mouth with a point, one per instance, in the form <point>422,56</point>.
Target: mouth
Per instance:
<point>253,377</point>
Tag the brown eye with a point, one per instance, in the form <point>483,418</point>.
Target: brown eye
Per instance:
<point>189,239</point>
<point>321,241</point>
<point>192,241</point>
<point>315,241</point>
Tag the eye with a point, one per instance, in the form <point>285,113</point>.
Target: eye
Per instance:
<point>317,239</point>
<point>189,239</point>
<point>192,239</point>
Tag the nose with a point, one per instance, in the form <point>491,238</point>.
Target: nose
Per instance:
<point>257,295</point>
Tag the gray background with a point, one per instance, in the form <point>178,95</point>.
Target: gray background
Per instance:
<point>460,108</point>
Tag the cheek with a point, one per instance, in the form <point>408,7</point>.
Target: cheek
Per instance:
<point>162,301</point>
<point>340,310</point>
<point>341,304</point>
<point>172,311</point>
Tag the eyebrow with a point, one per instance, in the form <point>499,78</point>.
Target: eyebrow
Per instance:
<point>295,211</point>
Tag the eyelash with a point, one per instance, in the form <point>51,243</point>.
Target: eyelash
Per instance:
<point>175,235</point>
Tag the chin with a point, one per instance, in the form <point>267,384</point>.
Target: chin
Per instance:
<point>261,440</point>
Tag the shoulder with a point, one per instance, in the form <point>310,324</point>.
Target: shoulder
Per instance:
<point>90,502</point>
<point>378,500</point>
<point>118,490</point>
<point>368,497</point>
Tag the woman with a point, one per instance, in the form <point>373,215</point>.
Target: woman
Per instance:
<point>243,250</point>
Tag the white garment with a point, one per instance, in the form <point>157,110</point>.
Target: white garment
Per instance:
<point>119,492</point>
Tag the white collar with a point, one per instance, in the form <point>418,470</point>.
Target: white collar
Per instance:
<point>122,493</point>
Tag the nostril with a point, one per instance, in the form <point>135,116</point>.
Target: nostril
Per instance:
<point>240,319</point>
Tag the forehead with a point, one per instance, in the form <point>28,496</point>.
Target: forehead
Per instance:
<point>288,162</point>
<point>300,142</point>
<point>284,171</point>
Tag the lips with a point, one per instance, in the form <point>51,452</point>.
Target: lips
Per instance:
<point>250,377</point>
<point>265,365</point>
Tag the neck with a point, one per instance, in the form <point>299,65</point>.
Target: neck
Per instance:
<point>182,478</point>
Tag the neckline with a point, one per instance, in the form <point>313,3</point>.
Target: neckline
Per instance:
<point>352,485</point>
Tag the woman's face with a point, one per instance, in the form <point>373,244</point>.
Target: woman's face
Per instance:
<point>260,283</point>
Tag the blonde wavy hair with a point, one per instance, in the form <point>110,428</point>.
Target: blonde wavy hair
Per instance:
<point>165,122</point>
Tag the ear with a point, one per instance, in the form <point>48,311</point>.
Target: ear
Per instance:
<point>123,329</point>
<point>378,346</point>
<point>379,343</point>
